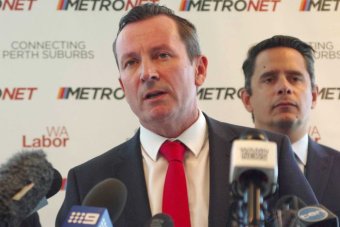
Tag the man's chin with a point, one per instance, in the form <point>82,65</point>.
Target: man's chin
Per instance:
<point>286,124</point>
<point>158,114</point>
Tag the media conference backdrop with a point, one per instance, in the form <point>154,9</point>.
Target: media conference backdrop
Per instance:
<point>59,87</point>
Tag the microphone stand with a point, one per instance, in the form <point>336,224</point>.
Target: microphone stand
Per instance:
<point>254,201</point>
<point>250,207</point>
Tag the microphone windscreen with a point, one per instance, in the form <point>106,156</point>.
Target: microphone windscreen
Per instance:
<point>110,194</point>
<point>160,220</point>
<point>55,185</point>
<point>17,196</point>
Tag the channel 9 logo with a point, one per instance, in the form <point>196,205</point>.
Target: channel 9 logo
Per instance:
<point>84,218</point>
<point>88,216</point>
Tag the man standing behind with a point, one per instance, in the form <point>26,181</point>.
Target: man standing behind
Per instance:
<point>160,69</point>
<point>280,92</point>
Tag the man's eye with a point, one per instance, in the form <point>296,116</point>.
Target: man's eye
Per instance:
<point>130,63</point>
<point>164,55</point>
<point>296,78</point>
<point>268,80</point>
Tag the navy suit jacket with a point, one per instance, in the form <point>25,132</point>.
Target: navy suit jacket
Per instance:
<point>323,174</point>
<point>124,162</point>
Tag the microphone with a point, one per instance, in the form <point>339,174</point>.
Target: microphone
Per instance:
<point>292,211</point>
<point>253,176</point>
<point>88,216</point>
<point>317,216</point>
<point>105,201</point>
<point>160,220</point>
<point>55,187</point>
<point>25,179</point>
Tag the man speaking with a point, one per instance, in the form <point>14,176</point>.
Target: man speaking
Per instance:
<point>177,163</point>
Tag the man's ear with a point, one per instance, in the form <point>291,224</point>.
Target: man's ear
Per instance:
<point>315,92</point>
<point>201,70</point>
<point>245,96</point>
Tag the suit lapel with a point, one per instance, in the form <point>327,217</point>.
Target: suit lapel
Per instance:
<point>318,169</point>
<point>130,170</point>
<point>219,148</point>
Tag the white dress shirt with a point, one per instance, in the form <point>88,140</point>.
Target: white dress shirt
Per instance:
<point>300,149</point>
<point>196,165</point>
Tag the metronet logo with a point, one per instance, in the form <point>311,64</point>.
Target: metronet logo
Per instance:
<point>329,93</point>
<point>230,5</point>
<point>101,5</point>
<point>325,50</point>
<point>48,49</point>
<point>90,93</point>
<point>17,93</point>
<point>56,137</point>
<point>314,133</point>
<point>16,5</point>
<point>319,5</point>
<point>219,93</point>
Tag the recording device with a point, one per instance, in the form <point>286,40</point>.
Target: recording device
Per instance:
<point>25,179</point>
<point>54,188</point>
<point>103,204</point>
<point>55,185</point>
<point>291,211</point>
<point>160,220</point>
<point>253,176</point>
<point>317,216</point>
<point>88,216</point>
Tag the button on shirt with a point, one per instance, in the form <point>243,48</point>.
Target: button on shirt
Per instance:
<point>300,149</point>
<point>196,165</point>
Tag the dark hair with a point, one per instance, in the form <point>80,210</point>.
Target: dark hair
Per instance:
<point>186,29</point>
<point>304,49</point>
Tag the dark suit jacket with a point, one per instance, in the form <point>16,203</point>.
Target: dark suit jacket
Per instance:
<point>124,162</point>
<point>323,174</point>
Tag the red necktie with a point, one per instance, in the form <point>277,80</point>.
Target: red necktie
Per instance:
<point>175,195</point>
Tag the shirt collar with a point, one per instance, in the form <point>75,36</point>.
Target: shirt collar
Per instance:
<point>193,138</point>
<point>300,148</point>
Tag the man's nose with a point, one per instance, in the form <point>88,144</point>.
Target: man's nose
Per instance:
<point>284,86</point>
<point>148,71</point>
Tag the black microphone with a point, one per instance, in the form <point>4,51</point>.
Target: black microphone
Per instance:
<point>291,211</point>
<point>103,204</point>
<point>25,179</point>
<point>253,176</point>
<point>160,220</point>
<point>285,211</point>
<point>55,185</point>
<point>54,188</point>
<point>111,194</point>
<point>317,216</point>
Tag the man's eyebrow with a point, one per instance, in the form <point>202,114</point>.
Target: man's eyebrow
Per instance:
<point>272,73</point>
<point>294,72</point>
<point>131,54</point>
<point>269,73</point>
<point>161,47</point>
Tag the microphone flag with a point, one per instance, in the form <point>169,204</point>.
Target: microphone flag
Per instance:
<point>80,216</point>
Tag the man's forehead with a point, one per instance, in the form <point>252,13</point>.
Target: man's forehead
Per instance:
<point>149,24</point>
<point>153,29</point>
